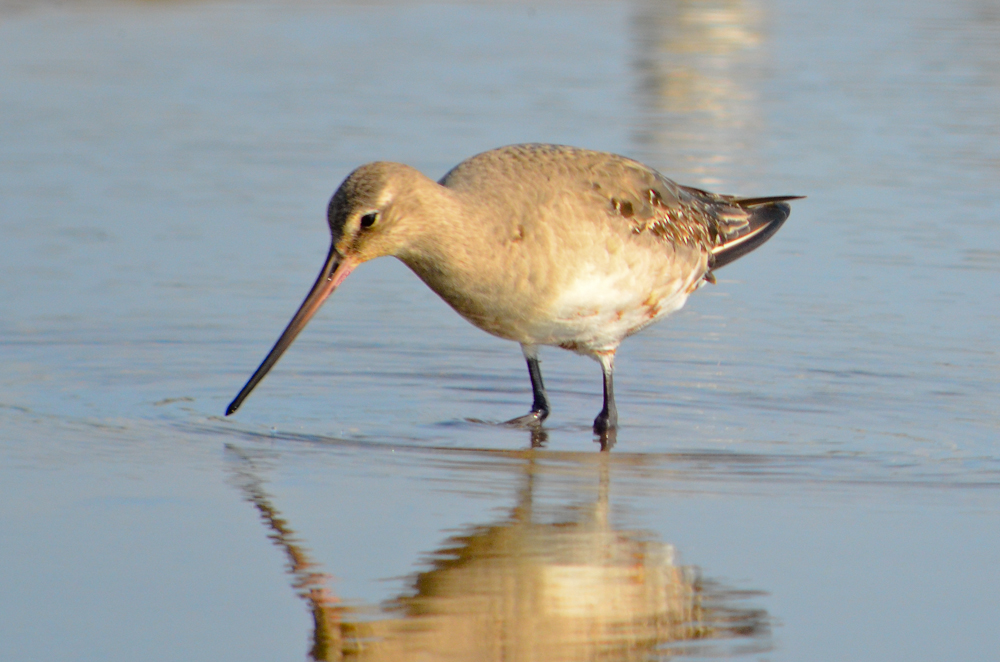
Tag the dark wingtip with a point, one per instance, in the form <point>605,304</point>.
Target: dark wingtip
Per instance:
<point>765,216</point>
<point>753,202</point>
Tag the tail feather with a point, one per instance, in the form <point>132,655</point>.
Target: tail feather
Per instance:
<point>753,202</point>
<point>764,217</point>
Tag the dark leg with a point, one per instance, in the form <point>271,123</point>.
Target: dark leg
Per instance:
<point>540,402</point>
<point>607,420</point>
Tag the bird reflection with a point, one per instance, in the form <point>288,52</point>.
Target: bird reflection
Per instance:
<point>539,584</point>
<point>308,581</point>
<point>699,66</point>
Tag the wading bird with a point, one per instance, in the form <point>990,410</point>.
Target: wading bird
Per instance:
<point>542,245</point>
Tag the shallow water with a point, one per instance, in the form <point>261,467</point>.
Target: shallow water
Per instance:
<point>807,465</point>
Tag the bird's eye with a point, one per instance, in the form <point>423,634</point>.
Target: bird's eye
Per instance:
<point>369,219</point>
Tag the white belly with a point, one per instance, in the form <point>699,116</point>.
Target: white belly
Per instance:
<point>599,308</point>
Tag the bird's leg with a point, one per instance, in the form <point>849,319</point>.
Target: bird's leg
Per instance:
<point>607,420</point>
<point>540,404</point>
<point>540,401</point>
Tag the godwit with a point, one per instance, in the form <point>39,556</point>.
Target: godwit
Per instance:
<point>542,245</point>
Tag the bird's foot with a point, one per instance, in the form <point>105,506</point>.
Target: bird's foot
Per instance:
<point>532,419</point>
<point>606,422</point>
<point>606,429</point>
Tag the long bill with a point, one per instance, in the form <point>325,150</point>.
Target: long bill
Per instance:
<point>334,271</point>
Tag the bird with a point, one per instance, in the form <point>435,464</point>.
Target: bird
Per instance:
<point>542,245</point>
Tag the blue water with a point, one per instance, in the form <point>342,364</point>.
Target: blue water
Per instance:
<point>809,447</point>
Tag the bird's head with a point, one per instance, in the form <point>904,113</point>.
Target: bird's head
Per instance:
<point>370,215</point>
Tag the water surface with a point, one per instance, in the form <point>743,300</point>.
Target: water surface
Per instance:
<point>807,465</point>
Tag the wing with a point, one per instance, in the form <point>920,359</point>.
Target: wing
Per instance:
<point>726,227</point>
